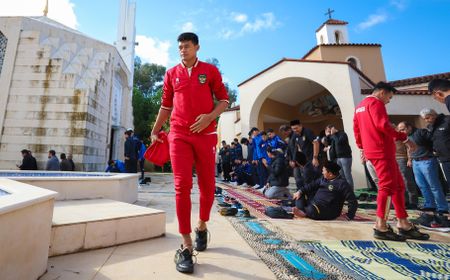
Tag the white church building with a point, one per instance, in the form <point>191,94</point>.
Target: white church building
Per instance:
<point>65,91</point>
<point>323,87</point>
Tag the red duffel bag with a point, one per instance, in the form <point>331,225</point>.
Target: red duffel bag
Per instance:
<point>158,152</point>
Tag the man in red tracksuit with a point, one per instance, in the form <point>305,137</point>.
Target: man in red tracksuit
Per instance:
<point>188,97</point>
<point>375,137</point>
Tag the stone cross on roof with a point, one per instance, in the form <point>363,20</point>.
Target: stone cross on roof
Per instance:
<point>330,11</point>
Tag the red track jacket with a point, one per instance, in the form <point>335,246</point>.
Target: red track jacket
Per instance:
<point>373,130</point>
<point>190,96</point>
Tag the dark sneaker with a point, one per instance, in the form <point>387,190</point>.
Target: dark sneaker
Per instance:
<point>363,197</point>
<point>388,235</point>
<point>424,220</point>
<point>228,211</point>
<point>201,240</point>
<point>183,260</point>
<point>224,204</point>
<point>440,221</point>
<point>413,233</point>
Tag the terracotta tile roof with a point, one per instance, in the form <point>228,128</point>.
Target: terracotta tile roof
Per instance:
<point>332,22</point>
<point>341,45</point>
<point>235,108</point>
<point>400,92</point>
<point>419,80</point>
<point>308,61</point>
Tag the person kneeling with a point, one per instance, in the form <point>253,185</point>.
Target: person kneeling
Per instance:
<point>324,198</point>
<point>278,180</point>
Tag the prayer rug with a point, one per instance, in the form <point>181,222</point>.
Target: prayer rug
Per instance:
<point>256,202</point>
<point>386,260</point>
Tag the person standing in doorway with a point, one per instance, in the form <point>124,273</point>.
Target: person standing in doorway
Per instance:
<point>130,152</point>
<point>375,137</point>
<point>188,98</point>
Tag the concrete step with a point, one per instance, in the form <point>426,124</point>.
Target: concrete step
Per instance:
<point>80,225</point>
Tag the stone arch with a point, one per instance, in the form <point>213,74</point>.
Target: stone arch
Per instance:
<point>339,80</point>
<point>3,43</point>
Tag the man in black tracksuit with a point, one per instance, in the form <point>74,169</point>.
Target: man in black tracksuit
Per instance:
<point>324,198</point>
<point>130,153</point>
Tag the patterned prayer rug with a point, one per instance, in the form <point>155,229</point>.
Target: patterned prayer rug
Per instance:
<point>386,260</point>
<point>256,202</point>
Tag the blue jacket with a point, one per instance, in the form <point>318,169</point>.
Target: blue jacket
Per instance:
<point>276,143</point>
<point>260,148</point>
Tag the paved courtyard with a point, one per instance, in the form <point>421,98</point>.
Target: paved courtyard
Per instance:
<point>228,256</point>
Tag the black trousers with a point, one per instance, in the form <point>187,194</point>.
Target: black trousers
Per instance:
<point>131,165</point>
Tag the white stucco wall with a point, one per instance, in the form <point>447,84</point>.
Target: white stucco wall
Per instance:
<point>226,126</point>
<point>55,93</point>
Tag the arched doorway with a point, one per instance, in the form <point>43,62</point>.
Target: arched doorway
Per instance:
<point>299,98</point>
<point>278,94</point>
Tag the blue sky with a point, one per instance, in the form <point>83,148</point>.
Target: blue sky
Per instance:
<point>247,36</point>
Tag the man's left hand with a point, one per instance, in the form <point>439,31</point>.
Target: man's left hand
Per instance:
<point>201,122</point>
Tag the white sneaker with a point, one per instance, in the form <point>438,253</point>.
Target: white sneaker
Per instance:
<point>234,183</point>
<point>256,186</point>
<point>244,185</point>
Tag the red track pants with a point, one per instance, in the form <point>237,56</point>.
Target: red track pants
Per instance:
<point>185,150</point>
<point>390,187</point>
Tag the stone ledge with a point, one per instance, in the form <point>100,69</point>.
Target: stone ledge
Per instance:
<point>80,225</point>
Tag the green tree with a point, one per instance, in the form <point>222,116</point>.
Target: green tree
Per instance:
<point>232,93</point>
<point>147,91</point>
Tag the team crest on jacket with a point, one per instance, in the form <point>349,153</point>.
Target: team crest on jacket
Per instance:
<point>202,78</point>
<point>330,188</point>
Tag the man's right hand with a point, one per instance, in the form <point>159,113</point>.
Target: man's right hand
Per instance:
<point>154,137</point>
<point>292,163</point>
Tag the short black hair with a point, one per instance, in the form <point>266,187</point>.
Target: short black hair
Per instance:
<point>332,167</point>
<point>285,127</point>
<point>236,140</point>
<point>438,84</point>
<point>128,132</point>
<point>188,36</point>
<point>384,86</point>
<point>25,151</point>
<point>62,156</point>
<point>253,129</point>
<point>294,122</point>
<point>244,140</point>
<point>270,130</point>
<point>52,152</point>
<point>263,133</point>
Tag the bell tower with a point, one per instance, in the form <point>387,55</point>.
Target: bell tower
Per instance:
<point>332,31</point>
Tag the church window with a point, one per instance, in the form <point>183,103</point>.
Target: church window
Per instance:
<point>354,62</point>
<point>337,37</point>
<point>3,42</point>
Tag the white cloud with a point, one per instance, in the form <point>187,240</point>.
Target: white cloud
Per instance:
<point>226,34</point>
<point>262,22</point>
<point>372,20</point>
<point>266,21</point>
<point>60,10</point>
<point>239,17</point>
<point>153,50</point>
<point>188,27</point>
<point>399,4</point>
